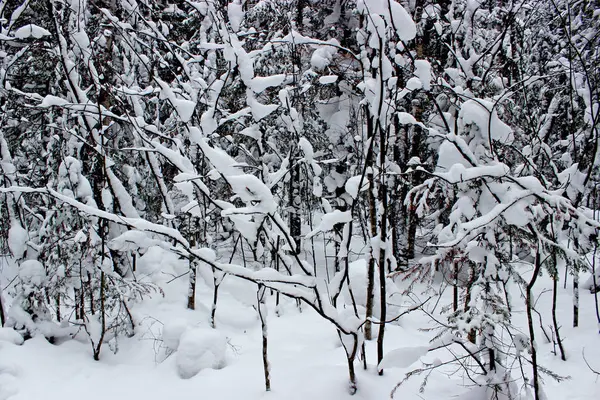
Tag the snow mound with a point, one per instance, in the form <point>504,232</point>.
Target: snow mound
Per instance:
<point>32,272</point>
<point>172,332</point>
<point>402,357</point>
<point>17,240</point>
<point>11,336</point>
<point>200,348</point>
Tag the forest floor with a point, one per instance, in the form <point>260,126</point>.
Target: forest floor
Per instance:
<point>307,361</point>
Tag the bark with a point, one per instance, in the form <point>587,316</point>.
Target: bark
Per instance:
<point>263,322</point>
<point>2,315</point>
<point>191,304</point>
<point>529,300</point>
<point>383,199</point>
<point>595,283</point>
<point>471,336</point>
<point>350,356</point>
<point>554,320</point>
<point>575,299</point>
<point>371,266</point>
<point>294,206</point>
<point>213,309</point>
<point>57,299</point>
<point>411,233</point>
<point>455,287</point>
<point>98,345</point>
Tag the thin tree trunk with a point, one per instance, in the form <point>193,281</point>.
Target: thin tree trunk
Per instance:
<point>575,298</point>
<point>594,282</point>
<point>213,309</point>
<point>554,320</point>
<point>371,266</point>
<point>350,356</point>
<point>383,199</point>
<point>57,299</point>
<point>91,292</point>
<point>471,336</point>
<point>294,206</point>
<point>529,300</point>
<point>260,295</point>
<point>2,315</point>
<point>455,287</point>
<point>98,346</point>
<point>191,304</point>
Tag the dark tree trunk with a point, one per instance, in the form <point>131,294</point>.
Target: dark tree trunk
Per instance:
<point>529,300</point>
<point>294,206</point>
<point>263,323</point>
<point>455,286</point>
<point>575,299</point>
<point>554,320</point>
<point>383,199</point>
<point>191,304</point>
<point>2,315</point>
<point>371,266</point>
<point>471,336</point>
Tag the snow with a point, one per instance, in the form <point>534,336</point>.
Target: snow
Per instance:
<point>184,108</point>
<point>220,169</point>
<point>132,240</point>
<point>32,272</point>
<point>324,54</point>
<point>260,83</point>
<point>259,110</point>
<point>200,348</point>
<point>414,84</point>
<point>236,15</point>
<point>9,335</point>
<point>172,332</point>
<point>329,220</point>
<point>403,357</point>
<point>394,13</point>
<point>423,72</point>
<point>17,239</point>
<point>31,30</point>
<point>302,348</point>
<point>253,192</point>
<point>51,100</point>
<point>352,184</point>
<point>328,79</point>
<point>484,115</point>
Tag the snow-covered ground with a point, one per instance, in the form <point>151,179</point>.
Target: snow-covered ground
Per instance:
<point>307,362</point>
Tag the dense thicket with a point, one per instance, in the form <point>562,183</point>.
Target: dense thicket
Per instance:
<point>455,139</point>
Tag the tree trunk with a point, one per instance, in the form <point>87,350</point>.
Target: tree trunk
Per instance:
<point>2,315</point>
<point>98,345</point>
<point>471,336</point>
<point>575,298</point>
<point>191,304</point>
<point>294,206</point>
<point>213,308</point>
<point>529,300</point>
<point>57,299</point>
<point>383,200</point>
<point>455,286</point>
<point>554,320</point>
<point>371,266</point>
<point>260,295</point>
<point>350,356</point>
<point>594,282</point>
